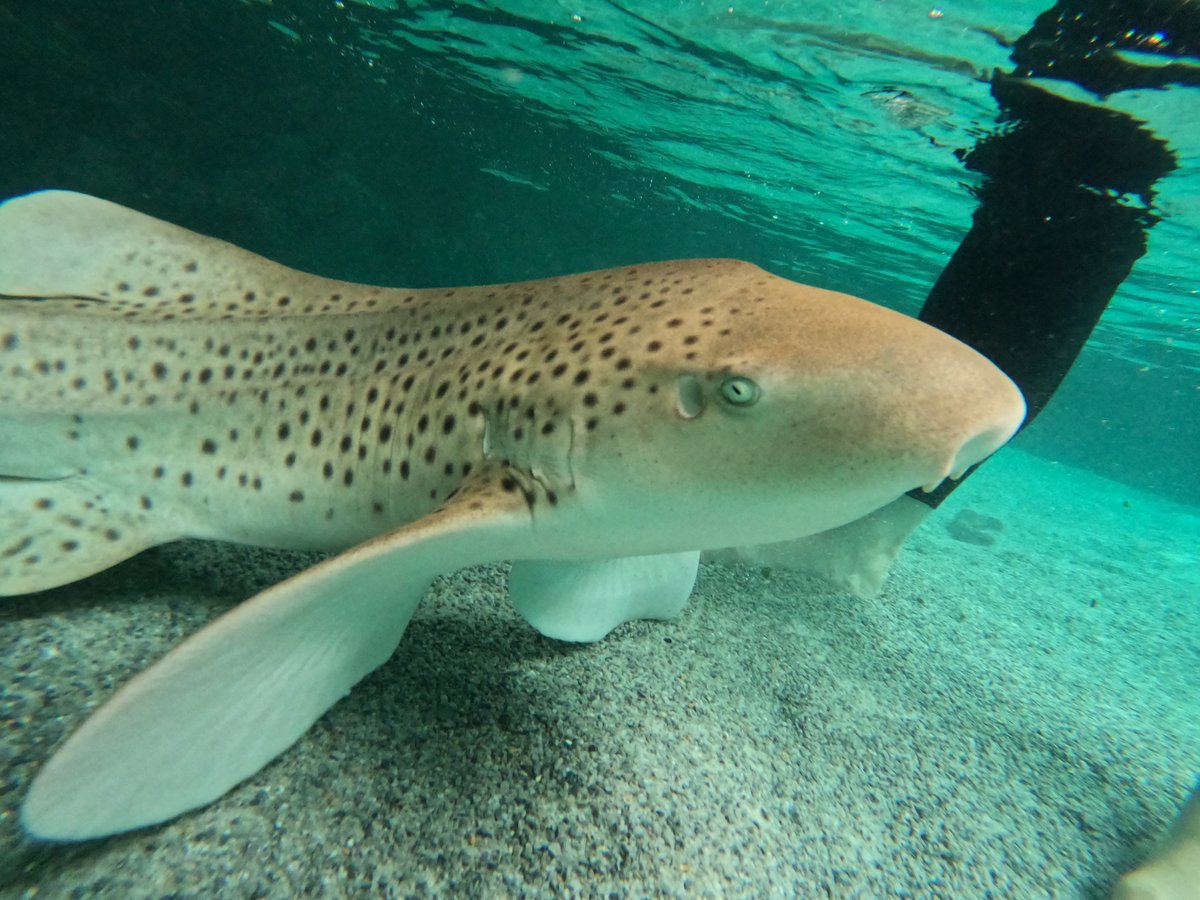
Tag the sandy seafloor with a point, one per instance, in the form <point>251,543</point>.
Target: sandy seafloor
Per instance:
<point>1015,720</point>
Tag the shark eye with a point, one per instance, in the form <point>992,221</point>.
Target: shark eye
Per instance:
<point>739,390</point>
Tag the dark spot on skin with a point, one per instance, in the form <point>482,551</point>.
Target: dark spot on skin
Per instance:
<point>348,478</point>
<point>186,479</point>
<point>447,424</point>
<point>284,431</point>
<point>592,423</point>
<point>508,484</point>
<point>296,496</point>
<point>147,503</point>
<point>315,440</point>
<point>430,454</point>
<point>132,442</point>
<point>112,534</point>
<point>44,503</point>
<point>209,446</point>
<point>327,470</point>
<point>618,408</point>
<point>581,376</point>
<point>10,342</point>
<point>404,469</point>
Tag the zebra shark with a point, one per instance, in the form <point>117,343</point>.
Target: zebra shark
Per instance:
<point>599,430</point>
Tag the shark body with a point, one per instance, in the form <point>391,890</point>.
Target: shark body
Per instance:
<point>598,429</point>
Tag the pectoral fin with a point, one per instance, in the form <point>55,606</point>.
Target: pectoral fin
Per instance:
<point>242,690</point>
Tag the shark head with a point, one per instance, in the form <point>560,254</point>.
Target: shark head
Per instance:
<point>754,409</point>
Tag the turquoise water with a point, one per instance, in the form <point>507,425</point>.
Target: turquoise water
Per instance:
<point>1017,715</point>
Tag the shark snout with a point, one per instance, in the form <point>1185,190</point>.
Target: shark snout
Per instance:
<point>973,424</point>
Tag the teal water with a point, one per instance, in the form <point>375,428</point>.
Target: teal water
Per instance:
<point>453,143</point>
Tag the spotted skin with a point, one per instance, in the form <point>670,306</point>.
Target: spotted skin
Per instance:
<point>183,400</point>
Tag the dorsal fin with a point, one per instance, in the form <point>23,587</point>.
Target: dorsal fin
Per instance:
<point>63,245</point>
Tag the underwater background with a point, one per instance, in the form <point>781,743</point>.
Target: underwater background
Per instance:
<point>1016,714</point>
